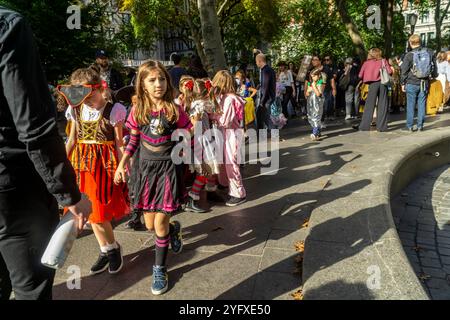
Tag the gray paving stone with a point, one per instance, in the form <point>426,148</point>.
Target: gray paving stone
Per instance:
<point>435,272</point>
<point>406,236</point>
<point>435,283</point>
<point>445,259</point>
<point>426,227</point>
<point>423,240</point>
<point>443,233</point>
<point>437,294</point>
<point>444,251</point>
<point>443,240</point>
<point>428,254</point>
<point>425,234</point>
<point>429,262</point>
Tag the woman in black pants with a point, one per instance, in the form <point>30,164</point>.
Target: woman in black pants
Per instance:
<point>371,75</point>
<point>286,79</point>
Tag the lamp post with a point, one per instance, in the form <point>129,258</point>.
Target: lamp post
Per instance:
<point>412,21</point>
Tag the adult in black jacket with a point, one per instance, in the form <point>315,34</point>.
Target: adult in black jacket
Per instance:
<point>112,77</point>
<point>416,89</point>
<point>35,173</point>
<point>267,92</point>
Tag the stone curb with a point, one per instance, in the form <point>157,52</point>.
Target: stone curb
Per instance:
<point>353,250</point>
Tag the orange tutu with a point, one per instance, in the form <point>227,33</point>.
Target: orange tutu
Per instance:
<point>94,166</point>
<point>115,209</point>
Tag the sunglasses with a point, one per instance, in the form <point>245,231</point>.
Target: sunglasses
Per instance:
<point>75,95</point>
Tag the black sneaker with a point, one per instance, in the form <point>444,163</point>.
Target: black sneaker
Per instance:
<point>221,187</point>
<point>115,260</point>
<point>101,264</point>
<point>192,207</point>
<point>176,239</point>
<point>233,201</point>
<point>214,197</point>
<point>135,220</point>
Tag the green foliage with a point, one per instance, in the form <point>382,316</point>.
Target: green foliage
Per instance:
<point>62,50</point>
<point>244,23</point>
<point>319,30</point>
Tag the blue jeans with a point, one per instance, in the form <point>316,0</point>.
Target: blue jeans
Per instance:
<point>328,109</point>
<point>415,95</point>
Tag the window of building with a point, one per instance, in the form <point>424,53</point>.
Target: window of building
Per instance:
<point>423,38</point>
<point>425,17</point>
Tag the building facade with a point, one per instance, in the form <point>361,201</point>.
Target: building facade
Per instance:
<point>426,25</point>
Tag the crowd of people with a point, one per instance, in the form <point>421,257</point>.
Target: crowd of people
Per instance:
<point>120,152</point>
<point>369,91</point>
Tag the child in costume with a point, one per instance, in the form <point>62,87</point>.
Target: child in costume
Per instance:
<point>94,147</point>
<point>158,189</point>
<point>315,101</point>
<point>198,105</point>
<point>228,117</point>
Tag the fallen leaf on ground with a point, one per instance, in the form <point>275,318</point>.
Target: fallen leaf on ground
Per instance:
<point>305,224</point>
<point>300,246</point>
<point>298,295</point>
<point>424,276</point>
<point>217,229</point>
<point>326,183</point>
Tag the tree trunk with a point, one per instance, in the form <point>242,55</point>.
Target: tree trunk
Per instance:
<point>212,43</point>
<point>387,12</point>
<point>352,30</point>
<point>196,37</point>
<point>437,19</point>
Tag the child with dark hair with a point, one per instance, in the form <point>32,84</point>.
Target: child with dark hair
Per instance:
<point>315,101</point>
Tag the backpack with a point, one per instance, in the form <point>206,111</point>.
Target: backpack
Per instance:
<point>239,107</point>
<point>344,81</point>
<point>422,64</point>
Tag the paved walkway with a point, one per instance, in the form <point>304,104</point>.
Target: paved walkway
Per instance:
<point>422,215</point>
<point>248,252</point>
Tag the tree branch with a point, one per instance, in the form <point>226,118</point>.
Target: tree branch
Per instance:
<point>444,13</point>
<point>222,7</point>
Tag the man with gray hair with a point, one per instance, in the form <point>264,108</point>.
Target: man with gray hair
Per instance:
<point>267,92</point>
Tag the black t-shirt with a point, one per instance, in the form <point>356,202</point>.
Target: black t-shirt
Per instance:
<point>331,72</point>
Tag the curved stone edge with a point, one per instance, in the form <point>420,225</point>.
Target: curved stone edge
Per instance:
<point>376,267</point>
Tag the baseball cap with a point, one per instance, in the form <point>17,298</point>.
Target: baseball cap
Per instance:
<point>101,54</point>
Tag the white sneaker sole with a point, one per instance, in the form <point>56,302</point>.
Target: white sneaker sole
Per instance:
<point>99,271</point>
<point>157,293</point>
<point>235,204</point>
<point>163,290</point>
<point>121,265</point>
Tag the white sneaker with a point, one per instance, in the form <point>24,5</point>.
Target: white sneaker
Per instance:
<point>348,117</point>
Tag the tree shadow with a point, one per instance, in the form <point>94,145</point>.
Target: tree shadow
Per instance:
<point>338,290</point>
<point>235,231</point>
<point>240,231</point>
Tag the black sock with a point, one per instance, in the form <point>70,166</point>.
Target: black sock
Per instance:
<point>161,250</point>
<point>171,229</point>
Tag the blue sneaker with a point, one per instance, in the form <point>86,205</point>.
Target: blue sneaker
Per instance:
<point>176,239</point>
<point>160,281</point>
